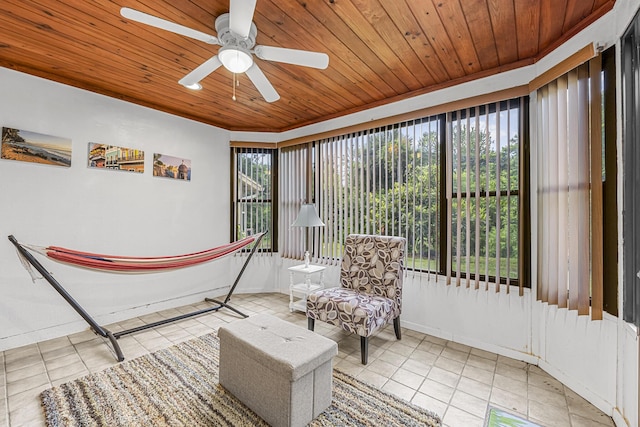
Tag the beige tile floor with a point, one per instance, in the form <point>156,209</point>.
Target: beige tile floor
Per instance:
<point>456,381</point>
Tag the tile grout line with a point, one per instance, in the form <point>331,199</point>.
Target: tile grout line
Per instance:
<point>44,363</point>
<point>493,378</point>
<point>46,369</point>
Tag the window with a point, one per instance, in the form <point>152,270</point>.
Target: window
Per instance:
<point>383,181</point>
<point>254,194</point>
<point>484,203</point>
<point>449,183</point>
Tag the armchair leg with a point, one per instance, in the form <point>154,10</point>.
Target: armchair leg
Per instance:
<point>311,322</point>
<point>364,349</point>
<point>396,327</point>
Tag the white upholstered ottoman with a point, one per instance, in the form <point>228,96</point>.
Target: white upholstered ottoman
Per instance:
<point>281,371</point>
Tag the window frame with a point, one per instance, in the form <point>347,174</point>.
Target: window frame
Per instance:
<point>630,64</point>
<point>521,193</point>
<point>270,242</point>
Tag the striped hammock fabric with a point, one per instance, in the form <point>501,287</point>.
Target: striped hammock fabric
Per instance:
<point>142,264</point>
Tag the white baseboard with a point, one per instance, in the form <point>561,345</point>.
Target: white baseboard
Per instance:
<point>618,419</point>
<point>80,325</point>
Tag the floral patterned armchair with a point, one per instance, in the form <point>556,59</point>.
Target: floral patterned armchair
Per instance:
<point>370,295</point>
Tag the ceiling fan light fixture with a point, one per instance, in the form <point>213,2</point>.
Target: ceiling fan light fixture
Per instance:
<point>235,59</point>
<point>194,86</point>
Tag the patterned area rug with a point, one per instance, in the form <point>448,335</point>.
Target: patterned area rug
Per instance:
<point>179,387</point>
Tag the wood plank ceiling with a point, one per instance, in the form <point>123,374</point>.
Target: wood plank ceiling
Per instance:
<point>380,51</point>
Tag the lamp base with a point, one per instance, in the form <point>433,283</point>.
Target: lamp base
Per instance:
<point>307,259</point>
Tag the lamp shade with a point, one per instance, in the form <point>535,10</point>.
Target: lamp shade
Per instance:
<point>308,217</point>
<point>235,59</point>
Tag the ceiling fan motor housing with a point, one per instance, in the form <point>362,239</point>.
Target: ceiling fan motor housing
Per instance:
<point>227,37</point>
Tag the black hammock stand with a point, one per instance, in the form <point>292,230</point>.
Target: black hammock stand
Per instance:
<point>113,336</point>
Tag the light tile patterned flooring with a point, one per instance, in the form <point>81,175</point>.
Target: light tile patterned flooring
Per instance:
<point>456,381</point>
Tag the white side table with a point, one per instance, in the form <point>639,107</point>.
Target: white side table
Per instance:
<point>298,291</point>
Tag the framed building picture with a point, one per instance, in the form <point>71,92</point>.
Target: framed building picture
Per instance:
<point>171,167</point>
<point>112,157</point>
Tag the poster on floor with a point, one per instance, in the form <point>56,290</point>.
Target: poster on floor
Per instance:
<point>26,146</point>
<point>112,157</point>
<point>171,167</point>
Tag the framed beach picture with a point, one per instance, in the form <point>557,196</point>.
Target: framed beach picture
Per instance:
<point>112,157</point>
<point>26,146</point>
<point>171,167</point>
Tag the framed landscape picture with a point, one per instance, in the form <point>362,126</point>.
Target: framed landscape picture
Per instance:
<point>171,167</point>
<point>26,146</point>
<point>112,157</point>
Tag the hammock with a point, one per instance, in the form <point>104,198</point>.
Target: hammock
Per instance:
<point>140,264</point>
<point>133,264</point>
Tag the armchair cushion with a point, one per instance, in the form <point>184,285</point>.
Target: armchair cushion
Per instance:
<point>353,311</point>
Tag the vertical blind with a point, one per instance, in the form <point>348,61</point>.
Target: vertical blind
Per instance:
<point>293,192</point>
<point>569,190</point>
<point>382,181</point>
<point>449,184</point>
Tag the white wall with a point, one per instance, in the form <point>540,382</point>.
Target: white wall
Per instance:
<point>105,211</point>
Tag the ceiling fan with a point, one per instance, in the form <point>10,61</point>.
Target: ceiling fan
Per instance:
<point>237,38</point>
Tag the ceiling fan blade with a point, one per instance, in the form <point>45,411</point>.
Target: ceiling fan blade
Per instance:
<point>202,71</point>
<point>293,56</point>
<point>261,83</point>
<point>240,16</point>
<point>163,24</point>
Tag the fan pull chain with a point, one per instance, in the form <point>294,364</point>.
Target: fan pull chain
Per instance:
<point>236,82</point>
<point>234,87</point>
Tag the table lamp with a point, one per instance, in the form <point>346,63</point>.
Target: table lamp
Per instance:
<point>307,217</point>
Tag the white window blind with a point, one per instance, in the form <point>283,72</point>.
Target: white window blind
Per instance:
<point>293,192</point>
<point>449,184</point>
<point>569,174</point>
<point>383,181</point>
